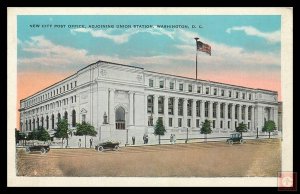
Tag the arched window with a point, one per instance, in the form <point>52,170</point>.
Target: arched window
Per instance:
<point>73,118</point>
<point>58,117</point>
<point>52,120</point>
<point>66,115</point>
<point>120,118</point>
<point>47,122</point>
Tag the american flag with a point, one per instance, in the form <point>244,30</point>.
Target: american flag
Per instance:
<point>203,47</point>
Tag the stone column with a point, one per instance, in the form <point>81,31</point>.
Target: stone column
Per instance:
<point>225,125</point>
<point>146,109</point>
<point>112,107</point>
<point>276,116</point>
<point>218,115</point>
<point>175,112</point>
<point>202,110</point>
<point>246,116</point>
<point>239,113</point>
<point>184,120</point>
<point>194,113</point>
<point>155,115</point>
<point>233,116</point>
<point>131,108</point>
<point>252,119</point>
<point>166,111</point>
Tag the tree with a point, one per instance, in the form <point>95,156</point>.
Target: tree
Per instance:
<point>33,135</point>
<point>43,134</point>
<point>19,136</point>
<point>159,129</point>
<point>85,129</point>
<point>206,128</point>
<point>269,126</point>
<point>241,128</point>
<point>62,131</point>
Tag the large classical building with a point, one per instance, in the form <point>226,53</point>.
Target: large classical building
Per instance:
<point>113,97</point>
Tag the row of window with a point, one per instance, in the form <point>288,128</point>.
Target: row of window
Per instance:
<point>171,101</point>
<point>207,90</point>
<point>50,94</point>
<point>52,105</point>
<point>188,123</point>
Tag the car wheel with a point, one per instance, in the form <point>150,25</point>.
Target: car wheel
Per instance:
<point>100,149</point>
<point>230,142</point>
<point>242,141</point>
<point>27,150</point>
<point>43,151</point>
<point>117,148</point>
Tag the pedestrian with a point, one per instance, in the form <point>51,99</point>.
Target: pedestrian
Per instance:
<point>144,138</point>
<point>79,143</point>
<point>91,142</point>
<point>147,138</point>
<point>171,138</point>
<point>133,140</point>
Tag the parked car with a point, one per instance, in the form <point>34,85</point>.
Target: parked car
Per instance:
<point>38,148</point>
<point>235,138</point>
<point>112,145</point>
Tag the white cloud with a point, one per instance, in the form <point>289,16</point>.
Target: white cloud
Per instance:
<point>272,37</point>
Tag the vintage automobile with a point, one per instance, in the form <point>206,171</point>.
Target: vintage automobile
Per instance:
<point>37,148</point>
<point>235,138</point>
<point>112,145</point>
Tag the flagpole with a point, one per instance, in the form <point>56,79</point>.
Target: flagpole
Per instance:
<point>196,58</point>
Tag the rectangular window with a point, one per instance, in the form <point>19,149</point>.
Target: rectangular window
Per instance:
<point>67,86</point>
<point>74,98</point>
<point>244,95</point>
<point>243,112</point>
<point>207,91</point>
<point>235,124</point>
<point>64,88</point>
<point>151,83</point>
<point>150,121</point>
<point>221,124</point>
<point>189,108</point>
<point>236,95</point>
<point>249,96</point>
<point>214,110</point>
<point>236,112</point>
<point>170,106</point>
<point>71,85</point>
<point>197,123</point>
<point>71,99</point>
<point>161,105</point>
<point>215,91</point>
<point>75,83</point>
<point>170,122</point>
<point>229,112</point>
<point>171,85</point>
<point>180,107</point>
<point>181,87</point>
<point>150,106</point>
<point>161,84</point>
<point>249,113</point>
<point>206,109</point>
<point>179,122</point>
<point>214,124</point>
<point>222,92</point>
<point>189,122</point>
<point>198,108</point>
<point>190,88</point>
<point>222,110</point>
<point>199,89</point>
<point>229,94</point>
<point>228,124</point>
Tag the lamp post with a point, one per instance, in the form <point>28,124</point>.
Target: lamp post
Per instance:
<point>187,135</point>
<point>256,124</point>
<point>126,136</point>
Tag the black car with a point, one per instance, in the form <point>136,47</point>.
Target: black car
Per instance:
<point>38,148</point>
<point>235,138</point>
<point>112,145</point>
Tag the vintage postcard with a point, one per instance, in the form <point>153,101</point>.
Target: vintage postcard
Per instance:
<point>150,97</point>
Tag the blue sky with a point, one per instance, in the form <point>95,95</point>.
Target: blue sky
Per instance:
<point>239,43</point>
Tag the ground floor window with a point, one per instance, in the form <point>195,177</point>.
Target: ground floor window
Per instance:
<point>189,122</point>
<point>235,124</point>
<point>248,125</point>
<point>197,123</point>
<point>170,122</point>
<point>179,122</point>
<point>221,124</point>
<point>150,121</point>
<point>228,125</point>
<point>214,123</point>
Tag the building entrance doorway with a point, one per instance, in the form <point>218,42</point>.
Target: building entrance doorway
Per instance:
<point>120,118</point>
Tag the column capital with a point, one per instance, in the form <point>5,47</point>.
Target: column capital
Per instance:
<point>131,92</point>
<point>112,89</point>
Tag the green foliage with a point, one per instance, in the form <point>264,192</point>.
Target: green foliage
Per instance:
<point>241,128</point>
<point>33,135</point>
<point>43,134</point>
<point>85,129</point>
<point>269,126</point>
<point>206,127</point>
<point>62,130</point>
<point>159,128</point>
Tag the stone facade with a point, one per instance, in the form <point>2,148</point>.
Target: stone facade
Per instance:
<point>133,99</point>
